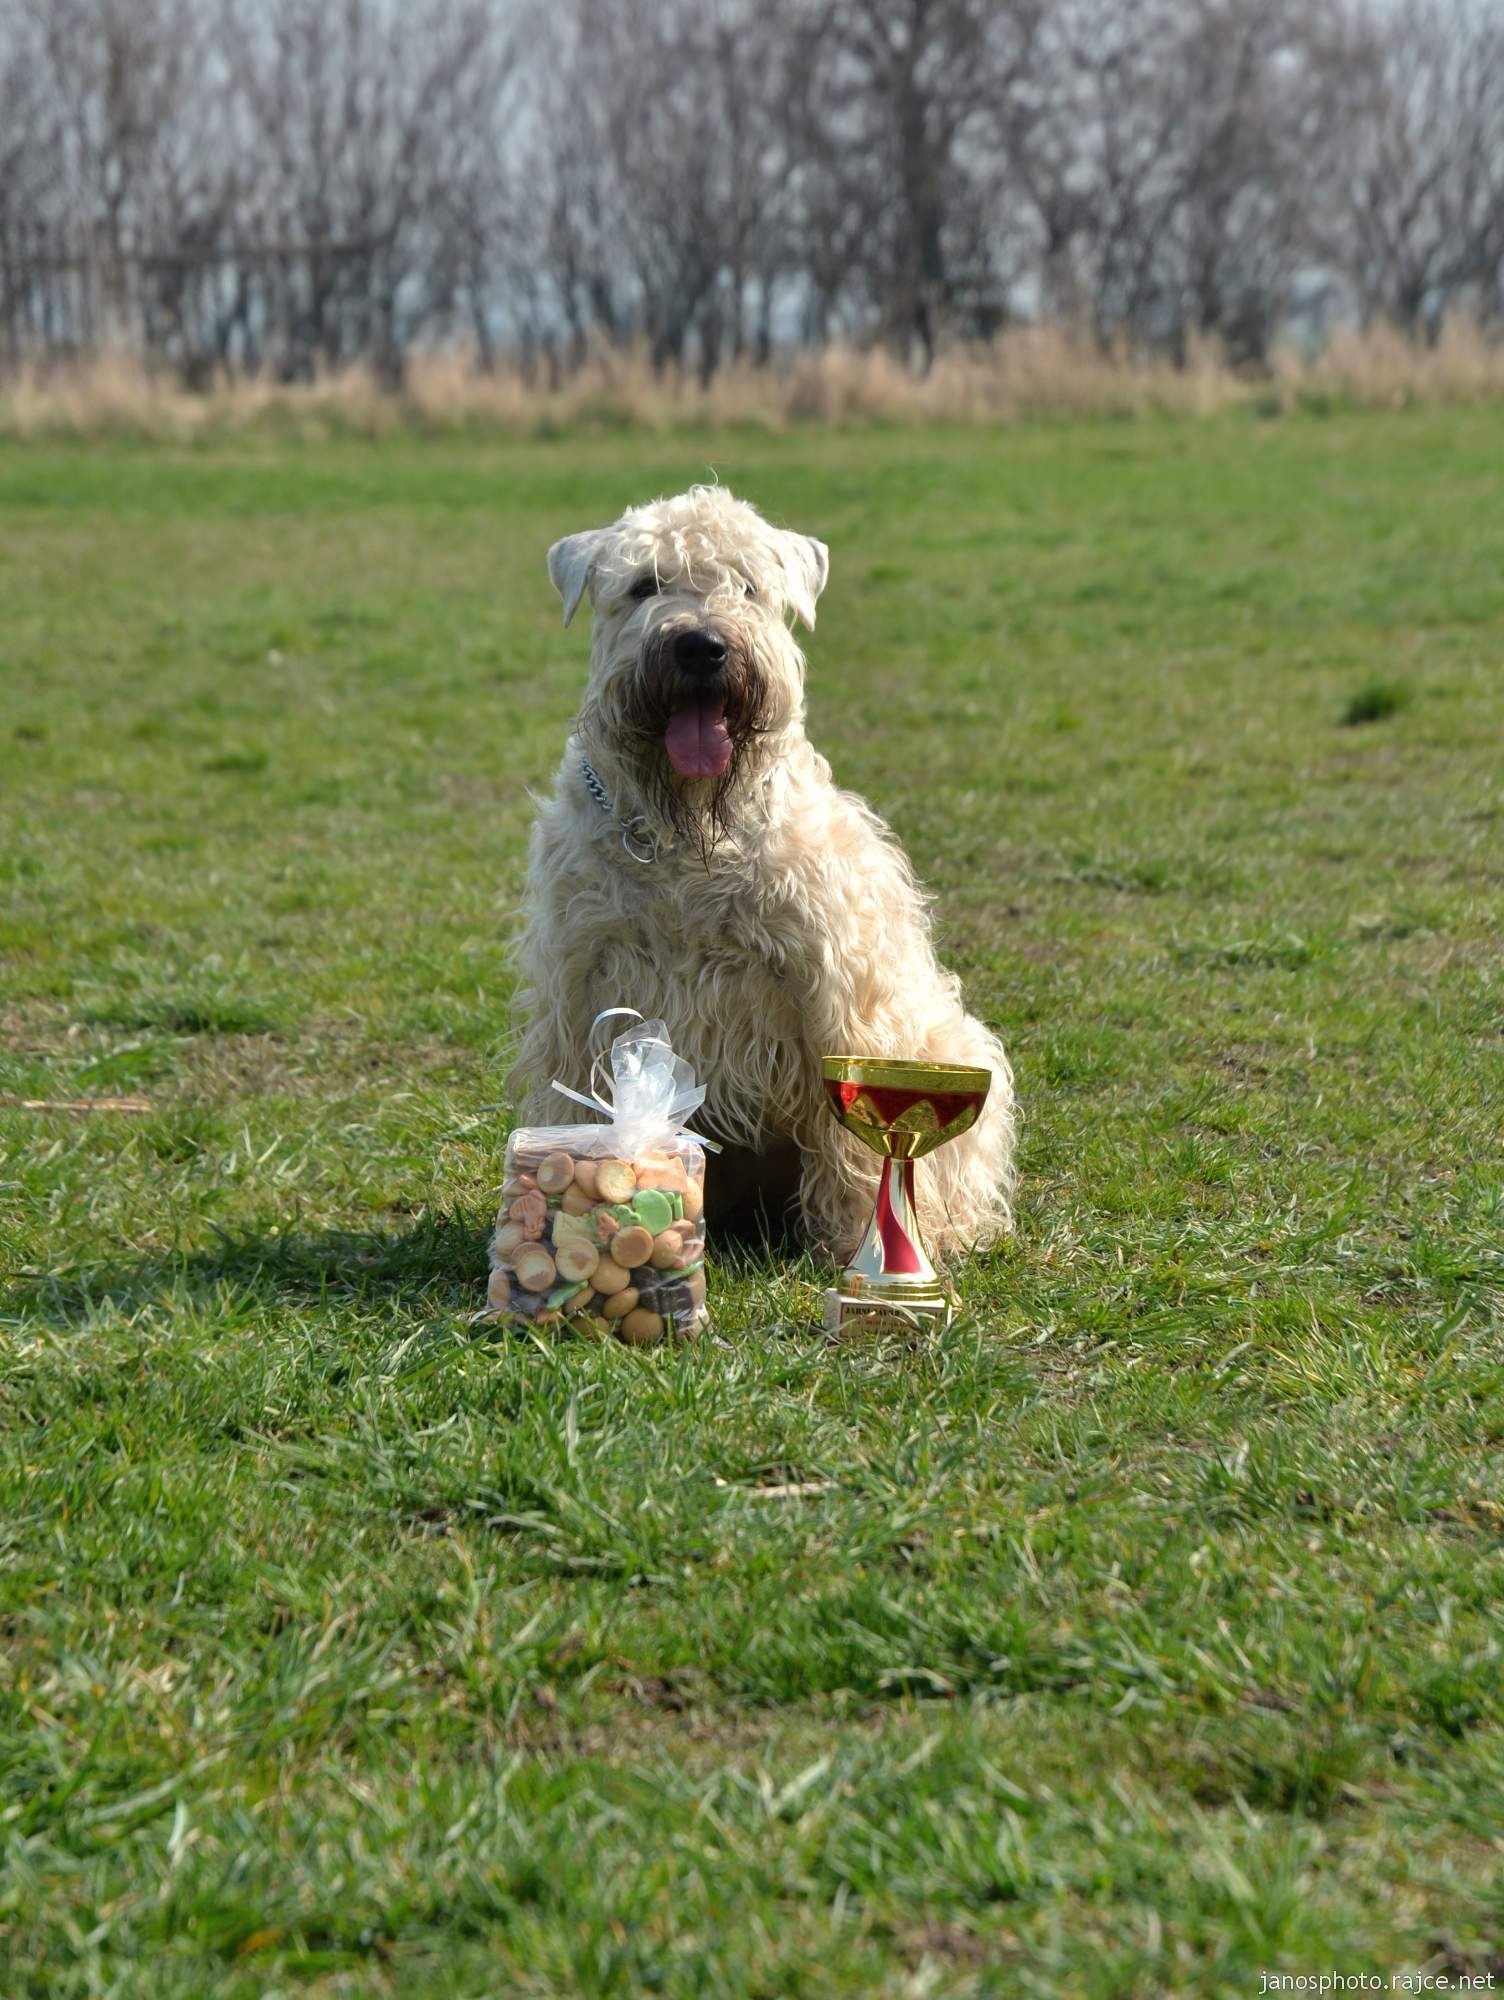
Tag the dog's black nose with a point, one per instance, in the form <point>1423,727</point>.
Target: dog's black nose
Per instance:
<point>700,652</point>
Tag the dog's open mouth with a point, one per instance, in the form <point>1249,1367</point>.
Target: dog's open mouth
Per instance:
<point>697,739</point>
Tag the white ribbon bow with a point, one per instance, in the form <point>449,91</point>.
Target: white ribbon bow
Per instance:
<point>651,1088</point>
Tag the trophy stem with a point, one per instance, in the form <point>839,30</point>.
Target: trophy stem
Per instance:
<point>894,1246</point>
<point>890,1282</point>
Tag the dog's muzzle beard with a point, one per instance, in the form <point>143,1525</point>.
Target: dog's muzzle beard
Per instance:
<point>728,703</point>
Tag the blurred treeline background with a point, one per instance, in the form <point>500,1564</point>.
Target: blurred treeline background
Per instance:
<point>283,189</point>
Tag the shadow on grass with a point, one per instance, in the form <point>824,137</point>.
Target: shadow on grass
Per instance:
<point>435,1266</point>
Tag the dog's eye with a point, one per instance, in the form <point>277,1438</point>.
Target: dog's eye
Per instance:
<point>645,586</point>
<point>751,590</point>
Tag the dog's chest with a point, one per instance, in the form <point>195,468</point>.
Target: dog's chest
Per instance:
<point>716,962</point>
<point>692,924</point>
<point>710,914</point>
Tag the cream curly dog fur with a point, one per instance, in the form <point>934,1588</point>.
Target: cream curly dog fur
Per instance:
<point>697,863</point>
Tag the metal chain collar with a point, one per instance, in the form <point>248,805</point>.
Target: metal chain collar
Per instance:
<point>635,832</point>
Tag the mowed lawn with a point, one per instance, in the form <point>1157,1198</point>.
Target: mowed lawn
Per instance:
<point>1140,1636</point>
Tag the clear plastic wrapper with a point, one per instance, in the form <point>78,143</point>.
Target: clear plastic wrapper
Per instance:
<point>601,1228</point>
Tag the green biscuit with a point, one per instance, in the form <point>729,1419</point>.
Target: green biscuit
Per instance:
<point>562,1294</point>
<point>653,1209</point>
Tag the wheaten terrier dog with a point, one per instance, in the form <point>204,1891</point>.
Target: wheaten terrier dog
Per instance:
<point>697,863</point>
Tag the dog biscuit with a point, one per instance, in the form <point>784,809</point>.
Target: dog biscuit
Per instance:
<point>642,1328</point>
<point>615,1180</point>
<point>555,1173</point>
<point>576,1258</point>
<point>535,1269</point>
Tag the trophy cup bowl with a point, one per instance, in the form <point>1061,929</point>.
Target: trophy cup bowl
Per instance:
<point>901,1110</point>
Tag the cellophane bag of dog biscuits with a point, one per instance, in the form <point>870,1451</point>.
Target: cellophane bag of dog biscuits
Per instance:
<point>601,1228</point>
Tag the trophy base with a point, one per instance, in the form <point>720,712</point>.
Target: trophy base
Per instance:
<point>858,1308</point>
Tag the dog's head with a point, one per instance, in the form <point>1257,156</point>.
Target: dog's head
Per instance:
<point>695,679</point>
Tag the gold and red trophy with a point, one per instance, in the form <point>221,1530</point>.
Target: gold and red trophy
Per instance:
<point>902,1110</point>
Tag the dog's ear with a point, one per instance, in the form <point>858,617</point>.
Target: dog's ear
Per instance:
<point>569,567</point>
<point>806,565</point>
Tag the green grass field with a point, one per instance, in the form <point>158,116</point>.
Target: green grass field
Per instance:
<point>1142,1635</point>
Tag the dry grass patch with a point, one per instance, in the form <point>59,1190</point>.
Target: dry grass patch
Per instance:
<point>1046,371</point>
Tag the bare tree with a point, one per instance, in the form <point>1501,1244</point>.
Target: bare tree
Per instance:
<point>1403,151</point>
<point>1151,141</point>
<point>367,124</point>
<point>29,160</point>
<point>299,184</point>
<point>666,167</point>
<point>898,103</point>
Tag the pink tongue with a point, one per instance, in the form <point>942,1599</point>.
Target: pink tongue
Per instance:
<point>697,739</point>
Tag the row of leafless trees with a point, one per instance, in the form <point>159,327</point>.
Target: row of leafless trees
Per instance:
<point>289,185</point>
